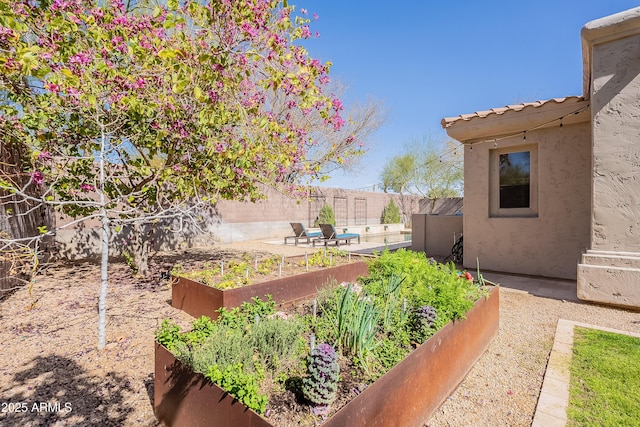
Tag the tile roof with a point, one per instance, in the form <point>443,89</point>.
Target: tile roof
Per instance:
<point>449,121</point>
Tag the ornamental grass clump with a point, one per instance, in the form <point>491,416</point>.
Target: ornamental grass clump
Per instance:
<point>321,383</point>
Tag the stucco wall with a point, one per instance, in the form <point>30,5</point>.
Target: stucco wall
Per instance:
<point>551,243</point>
<point>435,234</point>
<point>616,151</point>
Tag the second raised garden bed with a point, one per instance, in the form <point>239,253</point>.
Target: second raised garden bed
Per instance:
<point>198,299</point>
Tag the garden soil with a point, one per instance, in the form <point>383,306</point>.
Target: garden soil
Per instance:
<point>52,374</point>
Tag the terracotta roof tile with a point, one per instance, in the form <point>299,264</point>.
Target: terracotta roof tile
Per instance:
<point>449,121</point>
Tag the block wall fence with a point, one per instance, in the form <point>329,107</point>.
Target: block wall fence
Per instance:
<point>234,221</point>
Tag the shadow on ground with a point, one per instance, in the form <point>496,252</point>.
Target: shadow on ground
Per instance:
<point>57,391</point>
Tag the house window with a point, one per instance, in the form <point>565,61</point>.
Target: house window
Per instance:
<point>514,181</point>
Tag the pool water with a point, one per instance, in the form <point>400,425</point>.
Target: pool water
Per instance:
<point>386,238</point>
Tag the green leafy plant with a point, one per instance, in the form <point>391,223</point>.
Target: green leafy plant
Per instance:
<point>324,258</point>
<point>244,387</point>
<point>426,282</point>
<point>325,216</point>
<point>390,213</point>
<point>130,261</point>
<point>168,334</point>
<point>321,383</point>
<point>201,329</point>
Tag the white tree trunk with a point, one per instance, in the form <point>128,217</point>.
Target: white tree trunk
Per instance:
<point>102,302</point>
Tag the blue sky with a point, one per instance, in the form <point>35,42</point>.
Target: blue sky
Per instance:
<point>424,60</point>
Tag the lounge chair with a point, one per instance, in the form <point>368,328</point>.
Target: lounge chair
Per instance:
<point>299,232</point>
<point>329,234</point>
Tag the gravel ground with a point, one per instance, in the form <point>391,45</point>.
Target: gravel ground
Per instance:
<point>52,374</point>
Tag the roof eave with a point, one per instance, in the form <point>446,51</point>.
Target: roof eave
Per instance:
<point>515,122</point>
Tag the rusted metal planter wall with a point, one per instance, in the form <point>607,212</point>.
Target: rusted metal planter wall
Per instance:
<point>405,396</point>
<point>198,299</point>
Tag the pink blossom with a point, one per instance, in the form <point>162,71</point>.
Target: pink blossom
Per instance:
<point>337,104</point>
<point>177,168</point>
<point>120,20</point>
<point>303,11</point>
<point>306,32</point>
<point>72,91</point>
<point>119,4</point>
<point>87,187</point>
<point>82,58</point>
<point>59,4</point>
<point>37,177</point>
<point>250,30</point>
<point>4,31</point>
<point>337,122</point>
<point>52,87</point>
<point>284,13</point>
<point>315,16</point>
<point>44,155</point>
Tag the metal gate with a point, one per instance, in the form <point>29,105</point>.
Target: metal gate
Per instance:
<point>360,211</point>
<point>341,211</point>
<point>315,204</point>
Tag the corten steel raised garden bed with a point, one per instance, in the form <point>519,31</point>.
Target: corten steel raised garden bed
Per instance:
<point>198,299</point>
<point>405,396</point>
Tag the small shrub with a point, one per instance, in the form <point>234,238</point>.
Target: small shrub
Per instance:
<point>325,216</point>
<point>390,213</point>
<point>276,340</point>
<point>227,347</point>
<point>321,383</point>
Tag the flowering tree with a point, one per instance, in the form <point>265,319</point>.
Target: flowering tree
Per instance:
<point>126,115</point>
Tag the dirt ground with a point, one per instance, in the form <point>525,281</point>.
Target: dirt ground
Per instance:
<point>52,374</point>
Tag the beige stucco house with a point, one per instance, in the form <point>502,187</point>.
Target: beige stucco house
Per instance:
<point>552,188</point>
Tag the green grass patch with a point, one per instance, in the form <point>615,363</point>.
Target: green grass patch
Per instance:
<point>605,390</point>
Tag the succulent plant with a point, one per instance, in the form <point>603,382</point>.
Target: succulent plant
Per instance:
<point>321,383</point>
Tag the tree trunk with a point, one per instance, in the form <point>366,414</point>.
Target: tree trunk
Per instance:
<point>140,249</point>
<point>102,301</point>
